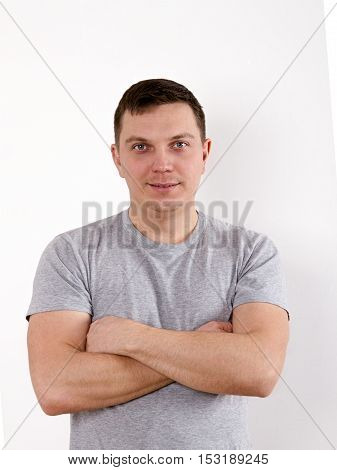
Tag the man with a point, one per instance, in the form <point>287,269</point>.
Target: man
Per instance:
<point>128,306</point>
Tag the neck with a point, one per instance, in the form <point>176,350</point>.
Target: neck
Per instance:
<point>168,225</point>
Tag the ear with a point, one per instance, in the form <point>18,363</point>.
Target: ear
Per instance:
<point>206,149</point>
<point>117,160</point>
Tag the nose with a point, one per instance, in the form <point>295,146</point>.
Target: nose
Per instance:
<point>162,162</point>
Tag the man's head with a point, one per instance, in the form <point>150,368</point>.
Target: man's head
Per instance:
<point>160,138</point>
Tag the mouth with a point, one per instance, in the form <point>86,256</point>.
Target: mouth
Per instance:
<point>163,186</point>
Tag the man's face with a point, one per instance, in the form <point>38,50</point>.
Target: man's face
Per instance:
<point>155,149</point>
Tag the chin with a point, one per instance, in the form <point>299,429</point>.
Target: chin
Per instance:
<point>164,204</point>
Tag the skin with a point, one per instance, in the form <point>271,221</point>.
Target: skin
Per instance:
<point>113,334</point>
<point>184,356</point>
<point>203,362</point>
<point>163,217</point>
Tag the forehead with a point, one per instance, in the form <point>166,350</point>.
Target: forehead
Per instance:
<point>160,122</point>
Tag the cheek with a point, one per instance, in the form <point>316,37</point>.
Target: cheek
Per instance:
<point>138,169</point>
<point>193,171</point>
<point>193,165</point>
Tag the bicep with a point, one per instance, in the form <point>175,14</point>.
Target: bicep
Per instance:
<point>52,339</point>
<point>268,326</point>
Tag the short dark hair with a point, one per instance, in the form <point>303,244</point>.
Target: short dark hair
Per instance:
<point>143,95</point>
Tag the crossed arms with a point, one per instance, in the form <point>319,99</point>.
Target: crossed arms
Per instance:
<point>123,360</point>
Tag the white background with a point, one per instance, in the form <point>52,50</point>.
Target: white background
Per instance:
<point>230,54</point>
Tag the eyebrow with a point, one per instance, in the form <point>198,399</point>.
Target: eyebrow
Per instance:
<point>133,138</point>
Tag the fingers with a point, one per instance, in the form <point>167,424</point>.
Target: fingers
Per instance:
<point>227,326</point>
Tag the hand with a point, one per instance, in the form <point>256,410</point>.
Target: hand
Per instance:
<point>217,326</point>
<point>112,335</point>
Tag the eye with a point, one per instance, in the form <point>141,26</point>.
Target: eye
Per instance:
<point>137,145</point>
<point>182,143</point>
<point>142,145</point>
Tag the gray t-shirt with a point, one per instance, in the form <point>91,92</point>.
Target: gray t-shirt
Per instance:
<point>110,268</point>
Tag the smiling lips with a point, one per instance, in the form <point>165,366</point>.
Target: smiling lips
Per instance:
<point>163,185</point>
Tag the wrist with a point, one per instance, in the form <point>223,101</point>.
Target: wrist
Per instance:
<point>137,339</point>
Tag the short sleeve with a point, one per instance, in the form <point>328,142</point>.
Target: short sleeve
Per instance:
<point>61,280</point>
<point>261,278</point>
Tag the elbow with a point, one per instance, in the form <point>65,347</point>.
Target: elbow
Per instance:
<point>266,385</point>
<point>264,392</point>
<point>52,406</point>
<point>52,410</point>
<point>45,404</point>
<point>48,410</point>
<point>55,408</point>
<point>46,407</point>
<point>269,379</point>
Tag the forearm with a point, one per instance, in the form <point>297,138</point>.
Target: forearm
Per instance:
<point>96,380</point>
<point>224,363</point>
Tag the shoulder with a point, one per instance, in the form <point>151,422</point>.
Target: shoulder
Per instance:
<point>236,237</point>
<point>88,236</point>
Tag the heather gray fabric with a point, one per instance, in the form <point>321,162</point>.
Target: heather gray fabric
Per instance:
<point>109,268</point>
